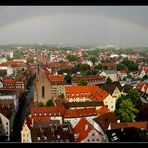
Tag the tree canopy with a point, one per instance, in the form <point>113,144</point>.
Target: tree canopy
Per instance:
<point>50,103</point>
<point>131,65</point>
<point>127,111</point>
<point>121,67</point>
<point>72,58</point>
<point>18,54</point>
<point>83,82</point>
<point>40,104</point>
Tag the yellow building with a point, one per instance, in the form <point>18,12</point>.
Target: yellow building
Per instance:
<point>25,134</point>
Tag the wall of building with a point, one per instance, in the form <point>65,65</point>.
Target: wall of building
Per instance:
<point>110,102</point>
<point>25,134</point>
<point>42,81</point>
<point>6,125</point>
<point>93,137</point>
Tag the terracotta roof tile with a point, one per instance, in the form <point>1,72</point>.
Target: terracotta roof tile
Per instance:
<point>103,110</point>
<point>90,91</point>
<point>47,111</point>
<point>80,129</point>
<point>76,113</point>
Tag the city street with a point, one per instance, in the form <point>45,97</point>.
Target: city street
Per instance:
<point>22,113</point>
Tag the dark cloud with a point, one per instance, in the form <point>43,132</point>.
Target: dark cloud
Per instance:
<point>79,24</point>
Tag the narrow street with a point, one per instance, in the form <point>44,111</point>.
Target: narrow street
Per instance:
<point>22,113</point>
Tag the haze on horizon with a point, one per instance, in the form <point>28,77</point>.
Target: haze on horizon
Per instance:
<point>74,24</point>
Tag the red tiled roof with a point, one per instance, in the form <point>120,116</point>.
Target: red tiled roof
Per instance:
<point>55,78</point>
<point>77,79</point>
<point>80,129</point>
<point>76,113</point>
<point>47,111</point>
<point>90,91</point>
<point>108,64</point>
<point>103,110</point>
<point>140,86</point>
<point>143,125</point>
<point>9,81</point>
<point>13,63</point>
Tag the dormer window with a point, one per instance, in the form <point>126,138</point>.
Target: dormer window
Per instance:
<point>38,138</point>
<point>34,114</point>
<point>40,114</point>
<point>45,114</point>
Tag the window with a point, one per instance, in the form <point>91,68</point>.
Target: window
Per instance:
<point>43,92</point>
<point>97,139</point>
<point>93,134</point>
<point>6,123</point>
<point>92,139</point>
<point>88,140</point>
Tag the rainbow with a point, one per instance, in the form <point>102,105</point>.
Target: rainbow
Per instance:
<point>92,15</point>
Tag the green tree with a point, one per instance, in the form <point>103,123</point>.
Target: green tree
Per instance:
<point>8,58</point>
<point>105,67</point>
<point>145,77</point>
<point>99,66</point>
<point>50,103</point>
<point>72,58</point>
<point>121,67</point>
<point>93,60</point>
<point>108,80</point>
<point>134,96</point>
<point>40,104</point>
<point>83,67</point>
<point>127,111</point>
<point>18,54</point>
<point>68,78</point>
<point>83,82</point>
<point>131,65</point>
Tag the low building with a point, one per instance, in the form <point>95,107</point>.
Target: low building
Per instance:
<point>84,132</point>
<point>89,93</point>
<point>74,116</point>
<point>53,134</point>
<point>112,74</point>
<point>91,79</point>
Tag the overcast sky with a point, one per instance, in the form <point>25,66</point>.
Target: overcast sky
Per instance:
<point>74,24</point>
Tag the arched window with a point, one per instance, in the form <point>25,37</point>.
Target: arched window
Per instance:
<point>43,92</point>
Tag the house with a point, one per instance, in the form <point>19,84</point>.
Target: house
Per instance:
<point>141,125</point>
<point>83,105</point>
<point>53,134</point>
<point>103,121</point>
<point>7,119</point>
<point>9,94</point>
<point>89,93</point>
<point>122,74</point>
<point>84,132</point>
<point>129,134</point>
<point>91,79</point>
<point>113,88</point>
<point>57,84</point>
<point>25,134</point>
<point>74,115</point>
<point>42,88</point>
<point>142,87</point>
<point>42,116</point>
<point>143,72</point>
<point>110,73</point>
